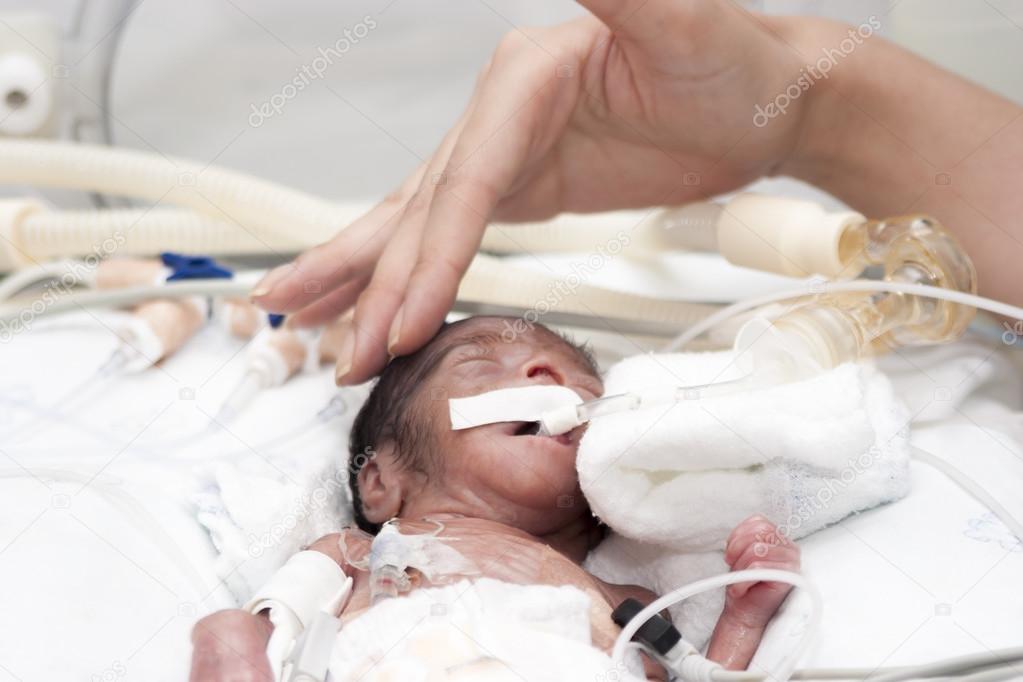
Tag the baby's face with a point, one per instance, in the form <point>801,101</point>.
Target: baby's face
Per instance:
<point>531,480</point>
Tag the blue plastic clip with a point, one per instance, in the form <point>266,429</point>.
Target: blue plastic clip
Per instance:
<point>275,320</point>
<point>193,267</point>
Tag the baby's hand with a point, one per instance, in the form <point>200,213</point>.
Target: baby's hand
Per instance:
<point>756,543</point>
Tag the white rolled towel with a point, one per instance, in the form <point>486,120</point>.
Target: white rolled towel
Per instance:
<point>805,454</point>
<point>673,481</point>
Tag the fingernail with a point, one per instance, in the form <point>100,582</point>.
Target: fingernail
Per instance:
<point>266,285</point>
<point>395,333</point>
<point>345,355</point>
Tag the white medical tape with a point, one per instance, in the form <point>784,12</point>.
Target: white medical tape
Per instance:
<point>306,584</point>
<point>520,404</point>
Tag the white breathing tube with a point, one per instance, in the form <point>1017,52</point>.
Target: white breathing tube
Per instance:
<point>262,206</point>
<point>46,234</point>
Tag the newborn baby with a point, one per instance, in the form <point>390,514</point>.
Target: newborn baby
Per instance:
<point>504,498</point>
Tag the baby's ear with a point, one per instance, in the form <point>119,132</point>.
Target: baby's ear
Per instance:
<point>381,486</point>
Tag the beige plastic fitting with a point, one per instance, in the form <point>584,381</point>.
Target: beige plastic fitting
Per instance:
<point>787,236</point>
<point>13,213</point>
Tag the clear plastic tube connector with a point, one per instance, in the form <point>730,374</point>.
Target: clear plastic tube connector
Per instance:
<point>564,419</point>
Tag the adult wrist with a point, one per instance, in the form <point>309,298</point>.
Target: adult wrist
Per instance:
<point>831,84</point>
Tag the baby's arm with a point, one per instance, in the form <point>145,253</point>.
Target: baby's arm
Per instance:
<point>749,607</point>
<point>231,644</point>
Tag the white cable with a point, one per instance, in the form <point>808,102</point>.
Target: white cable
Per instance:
<point>112,298</point>
<point>972,488</point>
<point>996,674</point>
<point>60,270</point>
<point>956,665</point>
<point>488,282</point>
<point>682,593</point>
<point>134,512</point>
<point>822,288</point>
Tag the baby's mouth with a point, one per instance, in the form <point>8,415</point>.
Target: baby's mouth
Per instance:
<point>533,429</point>
<point>528,429</point>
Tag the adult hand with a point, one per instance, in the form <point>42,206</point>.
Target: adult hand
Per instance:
<point>649,102</point>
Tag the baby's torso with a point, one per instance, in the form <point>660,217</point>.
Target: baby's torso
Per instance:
<point>492,550</point>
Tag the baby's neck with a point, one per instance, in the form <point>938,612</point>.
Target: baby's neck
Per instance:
<point>574,541</point>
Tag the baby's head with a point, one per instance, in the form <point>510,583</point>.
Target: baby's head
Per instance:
<point>410,462</point>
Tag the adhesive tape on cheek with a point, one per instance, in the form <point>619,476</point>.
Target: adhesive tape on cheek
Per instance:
<point>522,404</point>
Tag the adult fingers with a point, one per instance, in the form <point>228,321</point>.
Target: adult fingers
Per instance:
<point>364,350</point>
<point>522,108</point>
<point>320,270</point>
<point>331,306</point>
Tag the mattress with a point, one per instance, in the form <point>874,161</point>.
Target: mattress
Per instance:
<point>128,516</point>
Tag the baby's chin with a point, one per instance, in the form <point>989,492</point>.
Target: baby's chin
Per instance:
<point>545,486</point>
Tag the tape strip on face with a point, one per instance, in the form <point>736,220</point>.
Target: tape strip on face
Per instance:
<point>520,404</point>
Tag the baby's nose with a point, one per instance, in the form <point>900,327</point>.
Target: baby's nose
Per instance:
<point>542,371</point>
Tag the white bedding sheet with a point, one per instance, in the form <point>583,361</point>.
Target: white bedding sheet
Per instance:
<point>90,590</point>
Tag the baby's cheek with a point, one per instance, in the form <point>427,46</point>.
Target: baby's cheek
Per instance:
<point>541,483</point>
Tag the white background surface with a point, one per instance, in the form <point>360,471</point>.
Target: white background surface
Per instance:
<point>189,72</point>
<point>76,606</point>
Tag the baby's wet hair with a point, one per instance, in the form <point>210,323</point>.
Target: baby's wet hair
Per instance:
<point>394,416</point>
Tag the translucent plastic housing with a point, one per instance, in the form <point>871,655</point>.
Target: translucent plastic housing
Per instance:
<point>827,331</point>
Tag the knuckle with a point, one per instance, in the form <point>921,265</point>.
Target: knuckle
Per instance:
<point>510,43</point>
<point>474,188</point>
<point>381,288</point>
<point>432,261</point>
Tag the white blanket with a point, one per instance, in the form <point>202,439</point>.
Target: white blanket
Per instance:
<point>804,454</point>
<point>673,480</point>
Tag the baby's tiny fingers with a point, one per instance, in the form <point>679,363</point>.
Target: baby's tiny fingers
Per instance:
<point>755,529</point>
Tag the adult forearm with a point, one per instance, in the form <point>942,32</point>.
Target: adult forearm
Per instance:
<point>889,133</point>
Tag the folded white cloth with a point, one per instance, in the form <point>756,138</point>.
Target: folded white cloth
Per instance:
<point>257,520</point>
<point>672,481</point>
<point>804,454</point>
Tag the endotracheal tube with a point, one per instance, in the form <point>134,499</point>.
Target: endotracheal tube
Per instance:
<point>564,419</point>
